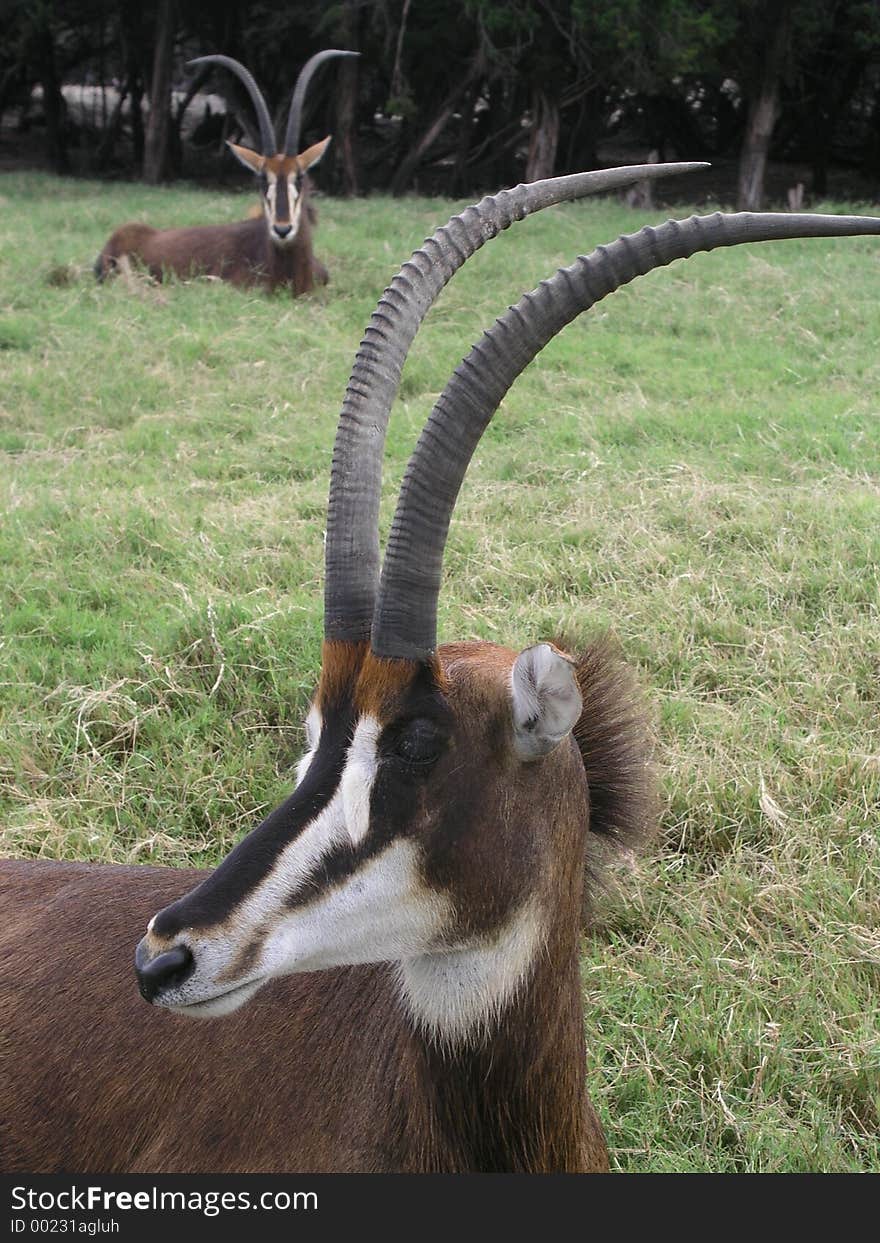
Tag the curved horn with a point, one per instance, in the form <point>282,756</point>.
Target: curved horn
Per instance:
<point>351,556</point>
<point>294,117</point>
<point>405,623</point>
<point>267,131</point>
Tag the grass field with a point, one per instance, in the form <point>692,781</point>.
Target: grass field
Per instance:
<point>695,463</point>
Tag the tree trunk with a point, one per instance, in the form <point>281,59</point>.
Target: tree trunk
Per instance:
<point>107,145</point>
<point>157,145</point>
<point>130,48</point>
<point>459,183</point>
<point>175,127</point>
<point>346,104</point>
<point>763,111</point>
<point>136,94</point>
<point>871,164</point>
<point>544,137</point>
<point>397,82</point>
<point>53,102</point>
<point>843,75</point>
<point>10,84</point>
<point>640,195</point>
<point>497,133</point>
<point>442,116</point>
<point>578,142</point>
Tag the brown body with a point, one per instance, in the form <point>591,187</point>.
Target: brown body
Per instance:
<point>94,1080</point>
<point>241,253</point>
<point>272,251</point>
<point>107,1084</point>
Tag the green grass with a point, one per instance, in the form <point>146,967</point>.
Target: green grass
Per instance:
<point>696,463</point>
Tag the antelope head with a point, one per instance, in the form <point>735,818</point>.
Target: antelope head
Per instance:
<point>434,804</point>
<point>440,817</point>
<point>281,175</point>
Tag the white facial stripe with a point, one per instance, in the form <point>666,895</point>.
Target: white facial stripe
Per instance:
<point>313,726</point>
<point>298,861</point>
<point>357,780</point>
<point>381,914</point>
<point>330,828</point>
<point>265,905</point>
<point>344,821</point>
<point>294,201</point>
<point>313,737</point>
<point>457,995</point>
<point>303,765</point>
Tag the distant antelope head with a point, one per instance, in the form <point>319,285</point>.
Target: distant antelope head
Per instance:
<point>281,174</point>
<point>440,816</point>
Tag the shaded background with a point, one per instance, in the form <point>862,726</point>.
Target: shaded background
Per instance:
<point>457,96</point>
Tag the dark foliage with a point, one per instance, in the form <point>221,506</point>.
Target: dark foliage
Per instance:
<point>456,97</point>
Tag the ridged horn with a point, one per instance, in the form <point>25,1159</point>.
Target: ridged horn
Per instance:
<point>405,623</point>
<point>351,554</point>
<point>267,131</point>
<point>294,117</point>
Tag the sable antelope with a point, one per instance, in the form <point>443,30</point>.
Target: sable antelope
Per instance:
<point>405,926</point>
<point>273,248</point>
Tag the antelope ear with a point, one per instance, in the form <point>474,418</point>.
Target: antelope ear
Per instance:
<point>248,158</point>
<point>546,700</point>
<point>311,155</point>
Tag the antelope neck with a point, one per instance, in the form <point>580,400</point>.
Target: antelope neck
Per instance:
<point>511,1095</point>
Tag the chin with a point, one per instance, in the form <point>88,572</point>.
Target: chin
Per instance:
<point>284,243</point>
<point>215,1007</point>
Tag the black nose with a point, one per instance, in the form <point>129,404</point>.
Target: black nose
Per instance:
<point>164,971</point>
<point>283,229</point>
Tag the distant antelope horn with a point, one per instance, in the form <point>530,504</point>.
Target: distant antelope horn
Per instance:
<point>294,117</point>
<point>352,545</point>
<point>267,130</point>
<point>405,623</point>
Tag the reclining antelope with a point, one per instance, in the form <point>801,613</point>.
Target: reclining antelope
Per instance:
<point>272,248</point>
<point>394,950</point>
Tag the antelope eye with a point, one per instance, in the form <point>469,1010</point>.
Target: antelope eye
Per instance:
<point>419,743</point>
